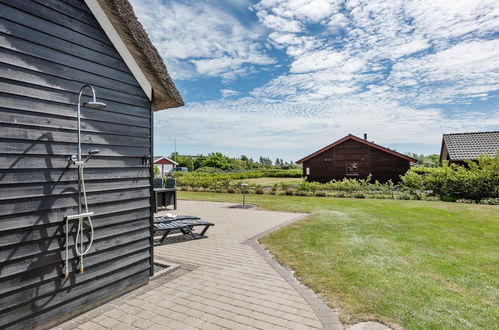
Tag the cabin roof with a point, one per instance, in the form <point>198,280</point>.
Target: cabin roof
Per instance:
<point>122,18</point>
<point>158,158</point>
<point>468,146</point>
<point>355,138</point>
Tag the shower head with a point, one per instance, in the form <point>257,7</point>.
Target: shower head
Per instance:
<point>91,153</point>
<point>94,105</point>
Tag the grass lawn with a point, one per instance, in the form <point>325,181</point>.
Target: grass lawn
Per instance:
<point>416,264</point>
<point>269,182</point>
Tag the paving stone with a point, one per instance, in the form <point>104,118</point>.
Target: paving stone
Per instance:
<point>143,324</point>
<point>178,316</point>
<point>106,322</point>
<point>146,315</point>
<point>82,319</point>
<point>90,326</point>
<point>225,281</point>
<point>70,325</point>
<point>128,309</point>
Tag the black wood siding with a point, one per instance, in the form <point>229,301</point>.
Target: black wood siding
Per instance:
<point>48,50</point>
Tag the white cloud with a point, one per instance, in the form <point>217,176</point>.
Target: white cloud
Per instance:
<point>251,123</point>
<point>229,92</point>
<point>317,60</point>
<point>427,46</point>
<point>200,37</point>
<point>337,23</point>
<point>409,48</point>
<point>386,67</point>
<point>279,23</point>
<point>310,11</point>
<point>456,73</point>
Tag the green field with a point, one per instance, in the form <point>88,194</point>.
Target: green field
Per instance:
<point>415,264</point>
<point>269,182</point>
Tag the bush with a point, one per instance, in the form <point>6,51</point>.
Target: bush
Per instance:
<point>360,195</point>
<point>450,182</point>
<point>210,180</point>
<point>207,169</point>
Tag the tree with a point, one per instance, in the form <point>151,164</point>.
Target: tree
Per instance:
<point>278,162</point>
<point>189,164</point>
<point>198,162</point>
<point>427,161</point>
<point>217,160</point>
<point>267,162</point>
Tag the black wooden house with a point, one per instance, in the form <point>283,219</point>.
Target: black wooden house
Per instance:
<point>49,49</point>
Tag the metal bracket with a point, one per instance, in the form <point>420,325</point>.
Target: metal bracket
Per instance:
<point>78,216</point>
<point>145,160</point>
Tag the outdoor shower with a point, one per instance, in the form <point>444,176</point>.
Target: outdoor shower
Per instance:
<point>82,194</point>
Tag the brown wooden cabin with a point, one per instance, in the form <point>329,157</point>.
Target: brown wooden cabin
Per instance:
<point>458,148</point>
<point>355,158</point>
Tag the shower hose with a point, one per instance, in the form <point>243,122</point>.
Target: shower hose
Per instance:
<point>80,252</point>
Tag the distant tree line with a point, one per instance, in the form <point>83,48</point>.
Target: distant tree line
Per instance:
<point>425,160</point>
<point>216,161</point>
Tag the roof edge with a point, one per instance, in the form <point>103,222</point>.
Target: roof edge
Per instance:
<point>164,157</point>
<point>124,21</point>
<point>464,133</point>
<point>356,138</point>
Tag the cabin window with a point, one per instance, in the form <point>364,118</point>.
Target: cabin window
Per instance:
<point>353,169</point>
<point>307,171</point>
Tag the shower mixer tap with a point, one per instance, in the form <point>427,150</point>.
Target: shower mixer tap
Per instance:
<point>74,158</point>
<point>82,194</point>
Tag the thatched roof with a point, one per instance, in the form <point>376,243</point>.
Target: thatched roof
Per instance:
<point>123,19</point>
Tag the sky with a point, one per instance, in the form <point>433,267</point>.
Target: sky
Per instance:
<point>286,78</point>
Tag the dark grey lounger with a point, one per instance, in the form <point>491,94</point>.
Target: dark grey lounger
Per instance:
<point>185,226</point>
<point>165,218</point>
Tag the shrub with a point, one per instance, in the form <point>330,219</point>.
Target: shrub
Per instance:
<point>208,169</point>
<point>359,195</point>
<point>258,190</point>
<point>450,182</point>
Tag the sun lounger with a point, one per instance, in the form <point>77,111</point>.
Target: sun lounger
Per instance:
<point>185,226</point>
<point>171,217</point>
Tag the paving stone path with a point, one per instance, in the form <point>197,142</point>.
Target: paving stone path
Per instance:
<point>224,281</point>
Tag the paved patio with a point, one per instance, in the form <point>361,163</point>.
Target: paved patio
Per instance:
<point>224,281</point>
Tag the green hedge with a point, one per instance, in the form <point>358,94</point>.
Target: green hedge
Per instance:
<point>228,182</point>
<point>476,182</point>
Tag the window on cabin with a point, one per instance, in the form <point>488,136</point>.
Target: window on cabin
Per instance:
<point>352,169</point>
<point>307,171</point>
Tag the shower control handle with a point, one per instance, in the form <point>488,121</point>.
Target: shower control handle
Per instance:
<point>73,159</point>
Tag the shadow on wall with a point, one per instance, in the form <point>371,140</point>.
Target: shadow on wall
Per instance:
<point>39,135</point>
